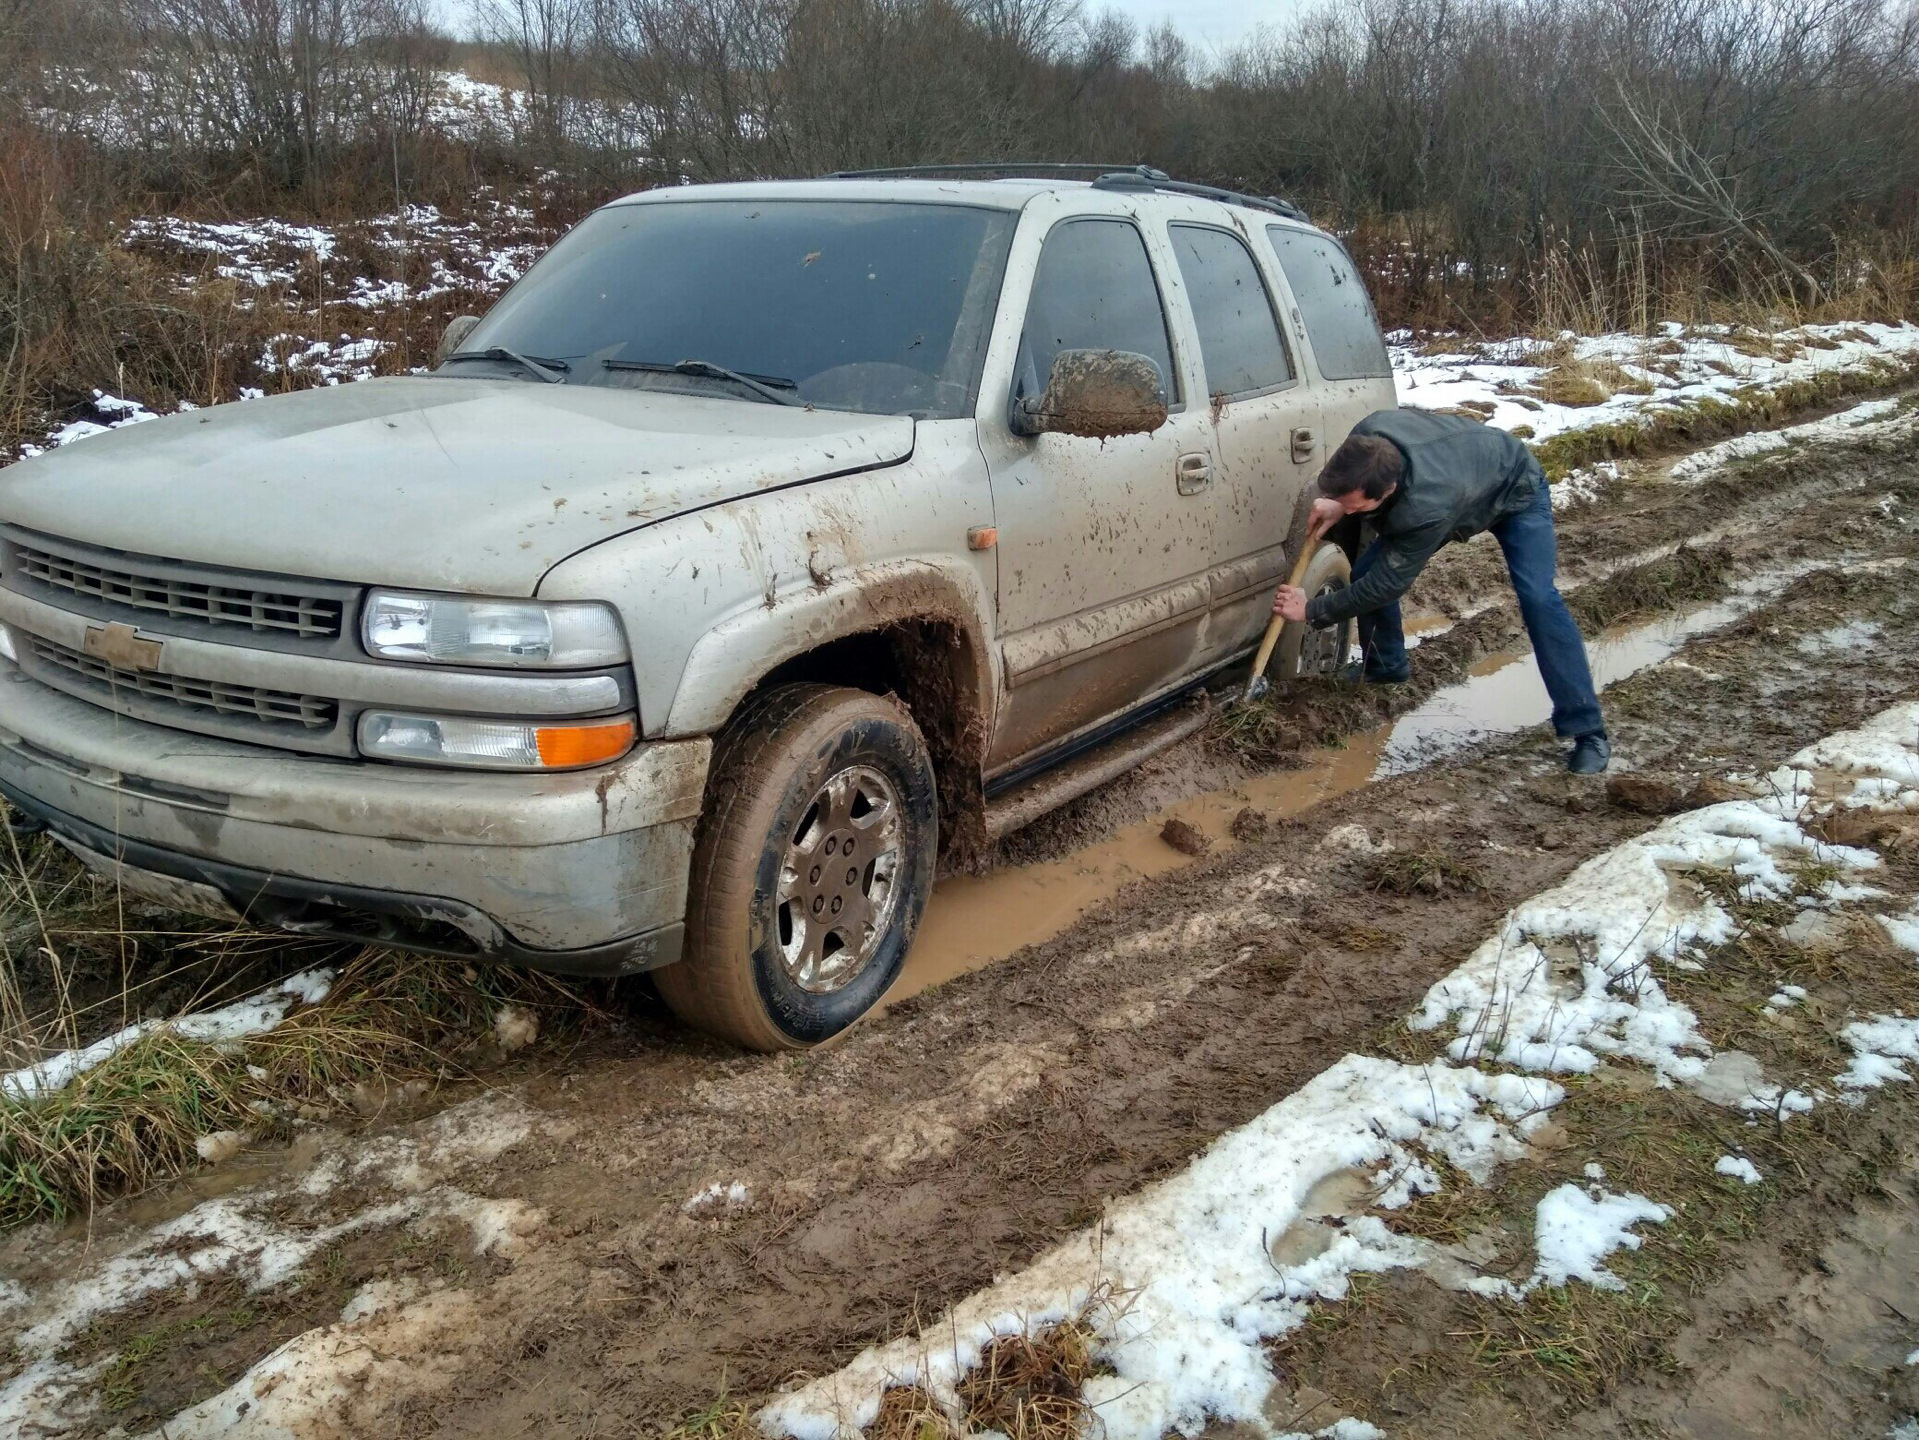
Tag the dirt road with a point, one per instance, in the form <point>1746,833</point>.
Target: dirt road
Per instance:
<point>613,1235</point>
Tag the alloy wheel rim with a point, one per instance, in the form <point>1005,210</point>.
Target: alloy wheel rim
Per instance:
<point>1322,651</point>
<point>839,880</point>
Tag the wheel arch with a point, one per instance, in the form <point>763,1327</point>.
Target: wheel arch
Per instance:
<point>912,632</point>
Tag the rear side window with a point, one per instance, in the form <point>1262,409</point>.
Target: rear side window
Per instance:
<point>1094,290</point>
<point>1334,304</point>
<point>1238,332</point>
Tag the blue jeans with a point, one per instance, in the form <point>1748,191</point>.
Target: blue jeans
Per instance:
<point>1532,552</point>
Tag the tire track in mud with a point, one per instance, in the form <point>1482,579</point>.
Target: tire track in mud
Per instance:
<point>972,1127</point>
<point>977,1124</point>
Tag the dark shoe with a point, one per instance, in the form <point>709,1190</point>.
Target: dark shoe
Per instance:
<point>1353,674</point>
<point>1590,755</point>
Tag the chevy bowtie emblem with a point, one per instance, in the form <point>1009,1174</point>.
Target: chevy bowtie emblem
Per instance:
<point>121,646</point>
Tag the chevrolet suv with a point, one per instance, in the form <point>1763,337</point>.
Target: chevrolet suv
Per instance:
<point>762,545</point>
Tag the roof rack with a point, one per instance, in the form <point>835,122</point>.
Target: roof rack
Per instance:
<point>1145,178</point>
<point>1105,177</point>
<point>1012,169</point>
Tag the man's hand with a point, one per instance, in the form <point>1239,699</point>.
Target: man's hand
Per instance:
<point>1290,603</point>
<point>1326,514</point>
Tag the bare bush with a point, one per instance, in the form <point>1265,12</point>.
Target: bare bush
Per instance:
<point>295,89</point>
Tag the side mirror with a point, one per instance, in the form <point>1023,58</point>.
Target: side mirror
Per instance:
<point>457,329</point>
<point>1096,394</point>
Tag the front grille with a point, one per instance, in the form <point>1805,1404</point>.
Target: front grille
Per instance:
<point>278,708</point>
<point>124,580</point>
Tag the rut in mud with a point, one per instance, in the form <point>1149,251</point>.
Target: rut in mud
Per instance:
<point>979,1122</point>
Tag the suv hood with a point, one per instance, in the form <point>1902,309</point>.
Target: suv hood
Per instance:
<point>442,484</point>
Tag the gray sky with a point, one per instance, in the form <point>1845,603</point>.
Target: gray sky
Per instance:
<point>1210,25</point>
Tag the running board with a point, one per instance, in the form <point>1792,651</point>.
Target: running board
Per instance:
<point>1072,778</point>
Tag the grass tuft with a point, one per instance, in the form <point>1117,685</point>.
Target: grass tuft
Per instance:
<point>133,1119</point>
<point>1688,575</point>
<point>1670,427</point>
<point>1423,872</point>
<point>909,1413</point>
<point>1028,1387</point>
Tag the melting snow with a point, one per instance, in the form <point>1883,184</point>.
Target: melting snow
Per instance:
<point>729,1198</point>
<point>1872,415</point>
<point>110,412</point>
<point>1567,979</point>
<point>1904,929</point>
<point>1576,1229</point>
<point>1190,1255</point>
<point>1677,367</point>
<point>254,1015</point>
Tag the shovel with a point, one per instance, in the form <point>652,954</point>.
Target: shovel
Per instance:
<point>1257,684</point>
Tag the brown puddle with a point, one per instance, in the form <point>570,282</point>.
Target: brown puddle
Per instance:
<point>972,921</point>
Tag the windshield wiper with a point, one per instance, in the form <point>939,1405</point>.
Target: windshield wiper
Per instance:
<point>548,370</point>
<point>767,387</point>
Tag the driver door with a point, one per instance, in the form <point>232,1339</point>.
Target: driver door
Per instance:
<point>1104,545</point>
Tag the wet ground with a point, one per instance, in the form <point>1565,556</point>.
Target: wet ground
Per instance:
<point>1073,1024</point>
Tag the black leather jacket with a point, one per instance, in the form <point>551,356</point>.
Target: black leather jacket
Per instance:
<point>1460,477</point>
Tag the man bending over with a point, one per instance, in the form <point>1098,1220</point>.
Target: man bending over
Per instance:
<point>1426,479</point>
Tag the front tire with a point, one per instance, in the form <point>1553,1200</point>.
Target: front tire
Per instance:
<point>1303,651</point>
<point>811,868</point>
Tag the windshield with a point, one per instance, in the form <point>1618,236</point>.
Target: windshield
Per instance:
<point>847,305</point>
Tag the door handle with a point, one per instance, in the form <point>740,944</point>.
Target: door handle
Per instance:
<point>1195,473</point>
<point>1302,444</point>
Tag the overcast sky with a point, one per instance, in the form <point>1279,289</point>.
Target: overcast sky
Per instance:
<point>1211,25</point>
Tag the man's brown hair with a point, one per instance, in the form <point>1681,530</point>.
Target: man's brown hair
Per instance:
<point>1364,463</point>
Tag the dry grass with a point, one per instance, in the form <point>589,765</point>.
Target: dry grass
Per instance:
<point>391,1024</point>
<point>1570,384</point>
<point>1028,1387</point>
<point>1689,575</point>
<point>1674,427</point>
<point>1423,872</point>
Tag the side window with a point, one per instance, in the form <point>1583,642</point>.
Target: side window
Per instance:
<point>1238,332</point>
<point>1334,304</point>
<point>1094,290</point>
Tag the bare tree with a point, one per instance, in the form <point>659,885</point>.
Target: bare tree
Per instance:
<point>545,39</point>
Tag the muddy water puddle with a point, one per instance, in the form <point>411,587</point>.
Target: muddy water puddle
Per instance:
<point>972,921</point>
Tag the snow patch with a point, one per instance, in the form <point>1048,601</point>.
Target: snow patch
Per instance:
<point>719,1198</point>
<point>1190,1255</point>
<point>1677,367</point>
<point>1737,1167</point>
<point>1576,1229</point>
<point>1904,929</point>
<point>254,1015</point>
<point>1872,415</point>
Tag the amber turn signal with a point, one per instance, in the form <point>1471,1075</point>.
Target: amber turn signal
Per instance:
<point>568,747</point>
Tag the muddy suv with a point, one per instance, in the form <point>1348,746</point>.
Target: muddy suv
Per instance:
<point>761,544</point>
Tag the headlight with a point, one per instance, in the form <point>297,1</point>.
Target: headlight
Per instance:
<point>6,644</point>
<point>454,630</point>
<point>495,744</point>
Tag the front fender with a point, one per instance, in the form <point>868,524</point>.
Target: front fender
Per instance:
<point>802,617</point>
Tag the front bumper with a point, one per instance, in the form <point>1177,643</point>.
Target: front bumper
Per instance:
<point>583,872</point>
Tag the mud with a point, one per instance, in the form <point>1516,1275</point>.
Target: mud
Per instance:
<point>1020,1096</point>
<point>980,1121</point>
<point>975,920</point>
<point>1099,394</point>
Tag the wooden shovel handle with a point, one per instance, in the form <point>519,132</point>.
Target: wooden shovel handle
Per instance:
<point>1278,622</point>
